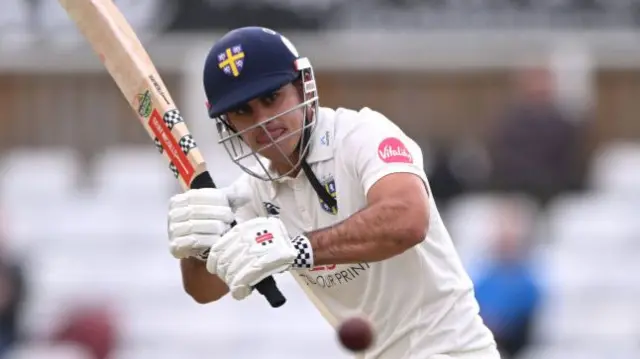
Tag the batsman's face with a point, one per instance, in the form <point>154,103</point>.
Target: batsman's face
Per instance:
<point>276,136</point>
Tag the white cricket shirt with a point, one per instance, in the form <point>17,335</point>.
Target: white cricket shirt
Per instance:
<point>421,302</point>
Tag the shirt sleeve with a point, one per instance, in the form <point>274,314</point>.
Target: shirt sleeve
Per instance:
<point>380,148</point>
<point>242,186</point>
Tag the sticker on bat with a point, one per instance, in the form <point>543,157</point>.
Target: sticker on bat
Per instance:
<point>174,150</point>
<point>172,118</point>
<point>143,103</point>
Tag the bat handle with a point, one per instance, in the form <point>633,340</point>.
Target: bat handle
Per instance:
<point>267,287</point>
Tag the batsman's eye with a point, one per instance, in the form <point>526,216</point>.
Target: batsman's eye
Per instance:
<point>270,98</point>
<point>242,110</point>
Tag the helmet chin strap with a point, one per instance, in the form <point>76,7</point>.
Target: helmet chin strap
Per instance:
<point>320,190</point>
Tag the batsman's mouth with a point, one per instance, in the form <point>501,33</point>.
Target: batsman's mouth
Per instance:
<point>274,134</point>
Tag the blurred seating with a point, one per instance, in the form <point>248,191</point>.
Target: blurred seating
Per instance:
<point>596,314</point>
<point>143,220</point>
<point>37,175</point>
<point>12,14</point>
<point>143,15</point>
<point>159,352</point>
<point>227,324</point>
<point>53,17</point>
<point>616,169</point>
<point>584,351</point>
<point>133,174</point>
<point>35,188</point>
<point>14,21</point>
<point>593,219</point>
<point>108,245</point>
<point>471,220</point>
<point>591,266</point>
<point>67,270</point>
<point>49,351</point>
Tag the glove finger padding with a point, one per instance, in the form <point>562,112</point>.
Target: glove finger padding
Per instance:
<point>181,247</point>
<point>192,245</point>
<point>223,252</point>
<point>197,226</point>
<point>197,219</point>
<point>220,213</point>
<point>202,196</point>
<point>231,261</point>
<point>240,292</point>
<point>255,274</point>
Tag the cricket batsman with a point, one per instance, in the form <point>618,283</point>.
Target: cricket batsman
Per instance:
<point>336,197</point>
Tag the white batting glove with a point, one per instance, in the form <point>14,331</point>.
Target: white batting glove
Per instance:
<point>254,250</point>
<point>198,217</point>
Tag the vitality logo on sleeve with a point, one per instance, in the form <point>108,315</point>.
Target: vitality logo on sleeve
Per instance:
<point>392,150</point>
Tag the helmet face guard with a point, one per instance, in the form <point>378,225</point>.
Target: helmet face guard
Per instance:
<point>249,160</point>
<point>248,63</point>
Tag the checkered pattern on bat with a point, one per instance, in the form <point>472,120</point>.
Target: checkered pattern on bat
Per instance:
<point>172,118</point>
<point>174,169</point>
<point>158,145</point>
<point>187,143</point>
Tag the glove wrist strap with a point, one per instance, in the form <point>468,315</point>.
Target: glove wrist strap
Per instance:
<point>304,258</point>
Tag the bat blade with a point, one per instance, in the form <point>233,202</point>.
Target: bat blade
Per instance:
<point>129,64</point>
<point>131,68</point>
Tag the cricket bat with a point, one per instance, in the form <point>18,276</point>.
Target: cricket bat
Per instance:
<point>130,66</point>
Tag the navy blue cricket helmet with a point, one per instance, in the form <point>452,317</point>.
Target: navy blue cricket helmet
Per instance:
<point>248,63</point>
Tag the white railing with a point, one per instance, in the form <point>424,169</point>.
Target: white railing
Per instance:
<point>420,50</point>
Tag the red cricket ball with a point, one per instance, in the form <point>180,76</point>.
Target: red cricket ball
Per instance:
<point>356,334</point>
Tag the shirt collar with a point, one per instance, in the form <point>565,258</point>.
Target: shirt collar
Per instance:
<point>322,138</point>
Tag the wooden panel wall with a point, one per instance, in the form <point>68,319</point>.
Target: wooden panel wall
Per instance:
<point>87,112</point>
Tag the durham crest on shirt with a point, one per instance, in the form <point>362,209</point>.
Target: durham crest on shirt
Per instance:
<point>329,185</point>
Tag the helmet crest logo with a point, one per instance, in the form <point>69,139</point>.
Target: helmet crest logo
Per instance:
<point>231,61</point>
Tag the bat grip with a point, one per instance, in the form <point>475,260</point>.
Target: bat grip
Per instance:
<point>267,287</point>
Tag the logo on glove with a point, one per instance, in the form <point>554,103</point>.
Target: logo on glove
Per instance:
<point>264,238</point>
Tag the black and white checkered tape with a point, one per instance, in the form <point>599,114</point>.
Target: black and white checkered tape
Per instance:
<point>172,118</point>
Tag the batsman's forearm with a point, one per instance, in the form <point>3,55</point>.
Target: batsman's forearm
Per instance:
<point>201,285</point>
<point>376,233</point>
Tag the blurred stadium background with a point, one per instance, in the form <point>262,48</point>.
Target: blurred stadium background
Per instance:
<point>527,112</point>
